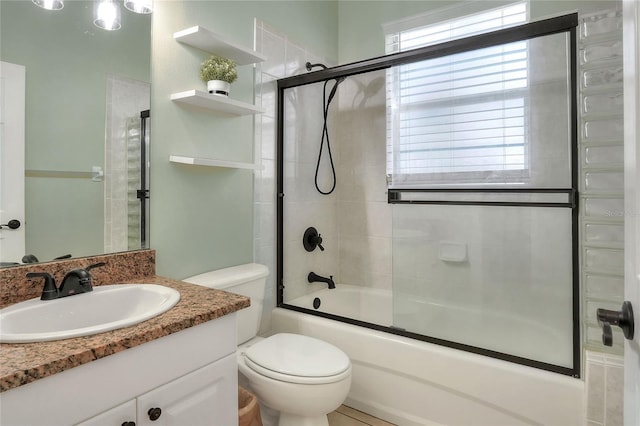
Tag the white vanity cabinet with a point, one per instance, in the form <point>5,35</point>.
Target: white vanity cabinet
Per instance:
<point>208,396</point>
<point>203,397</point>
<point>191,376</point>
<point>122,415</point>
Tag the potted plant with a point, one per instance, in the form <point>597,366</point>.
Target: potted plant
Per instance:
<point>218,73</point>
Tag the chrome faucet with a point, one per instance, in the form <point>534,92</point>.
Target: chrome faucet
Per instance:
<point>75,281</point>
<point>313,277</point>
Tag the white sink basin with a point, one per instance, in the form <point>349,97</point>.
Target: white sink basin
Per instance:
<point>106,308</point>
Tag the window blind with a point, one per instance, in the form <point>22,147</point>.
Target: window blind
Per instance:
<point>461,118</point>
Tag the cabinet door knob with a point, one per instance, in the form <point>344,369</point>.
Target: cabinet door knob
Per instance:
<point>129,424</point>
<point>154,413</point>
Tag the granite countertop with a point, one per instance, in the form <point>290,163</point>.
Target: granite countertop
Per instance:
<point>26,362</point>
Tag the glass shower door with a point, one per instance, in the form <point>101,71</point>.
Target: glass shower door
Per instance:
<point>497,278</point>
<point>483,186</point>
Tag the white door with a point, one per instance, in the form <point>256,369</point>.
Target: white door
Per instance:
<point>12,119</point>
<point>631,36</point>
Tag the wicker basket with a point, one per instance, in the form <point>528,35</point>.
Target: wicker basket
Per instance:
<point>248,408</point>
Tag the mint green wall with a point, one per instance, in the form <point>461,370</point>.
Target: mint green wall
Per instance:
<point>67,61</point>
<point>202,217</point>
<point>360,22</point>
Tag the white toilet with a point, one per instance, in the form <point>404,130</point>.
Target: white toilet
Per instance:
<point>301,377</point>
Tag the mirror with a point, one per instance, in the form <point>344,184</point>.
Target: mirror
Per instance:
<point>84,93</point>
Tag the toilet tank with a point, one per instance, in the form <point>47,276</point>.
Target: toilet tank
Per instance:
<point>248,280</point>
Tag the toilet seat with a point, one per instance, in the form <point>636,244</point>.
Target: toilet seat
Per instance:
<point>299,359</point>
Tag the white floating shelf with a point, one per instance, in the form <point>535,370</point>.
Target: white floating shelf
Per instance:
<point>211,42</point>
<point>211,163</point>
<point>215,102</point>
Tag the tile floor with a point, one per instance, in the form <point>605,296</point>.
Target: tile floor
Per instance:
<point>347,416</point>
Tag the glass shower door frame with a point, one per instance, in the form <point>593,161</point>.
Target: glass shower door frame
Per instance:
<point>564,197</point>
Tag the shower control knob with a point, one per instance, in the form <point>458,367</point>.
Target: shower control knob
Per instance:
<point>312,239</point>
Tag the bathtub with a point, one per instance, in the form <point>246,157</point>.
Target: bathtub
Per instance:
<point>364,304</point>
<point>410,382</point>
<point>497,331</point>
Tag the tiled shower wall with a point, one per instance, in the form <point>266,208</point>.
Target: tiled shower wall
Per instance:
<point>601,207</point>
<point>364,216</point>
<point>604,376</point>
<point>303,206</point>
<point>125,99</point>
<point>602,181</point>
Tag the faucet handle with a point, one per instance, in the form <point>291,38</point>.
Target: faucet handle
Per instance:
<point>312,239</point>
<point>95,265</point>
<point>86,284</point>
<point>50,291</point>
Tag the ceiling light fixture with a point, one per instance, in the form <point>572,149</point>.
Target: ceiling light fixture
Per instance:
<point>106,12</point>
<point>139,6</point>
<point>49,4</point>
<point>107,15</point>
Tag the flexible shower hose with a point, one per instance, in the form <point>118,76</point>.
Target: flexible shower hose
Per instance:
<point>325,135</point>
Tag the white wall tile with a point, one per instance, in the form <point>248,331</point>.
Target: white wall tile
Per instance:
<point>595,378</point>
<point>273,47</point>
<point>614,393</point>
<point>610,155</point>
<point>604,129</point>
<point>303,207</point>
<point>605,260</point>
<point>295,59</point>
<point>603,207</point>
<point>604,233</point>
<point>604,287</point>
<point>601,165</point>
<point>604,376</point>
<point>609,181</point>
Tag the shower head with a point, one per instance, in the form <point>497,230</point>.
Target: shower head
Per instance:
<point>310,66</point>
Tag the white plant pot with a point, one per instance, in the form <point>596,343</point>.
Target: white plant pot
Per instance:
<point>218,87</point>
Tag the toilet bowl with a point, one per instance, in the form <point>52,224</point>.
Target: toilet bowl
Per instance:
<point>301,377</point>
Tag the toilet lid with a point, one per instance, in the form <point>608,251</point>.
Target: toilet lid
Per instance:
<point>296,355</point>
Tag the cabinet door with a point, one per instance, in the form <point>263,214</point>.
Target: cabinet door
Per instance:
<point>207,396</point>
<point>118,416</point>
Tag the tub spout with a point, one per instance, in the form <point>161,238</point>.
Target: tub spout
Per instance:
<point>313,277</point>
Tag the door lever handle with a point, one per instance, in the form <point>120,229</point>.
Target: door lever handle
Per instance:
<point>12,224</point>
<point>622,318</point>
